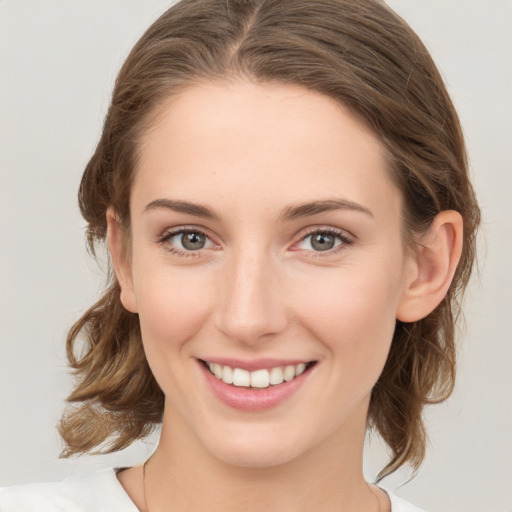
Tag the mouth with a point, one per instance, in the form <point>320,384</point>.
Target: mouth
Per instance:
<point>258,379</point>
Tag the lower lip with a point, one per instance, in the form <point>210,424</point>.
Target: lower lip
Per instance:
<point>253,399</point>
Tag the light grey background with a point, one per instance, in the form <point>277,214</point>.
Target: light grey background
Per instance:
<point>58,60</point>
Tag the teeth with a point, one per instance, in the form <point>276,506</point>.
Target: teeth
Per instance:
<point>241,377</point>
<point>276,376</point>
<point>289,373</point>
<point>299,369</point>
<point>217,370</point>
<point>227,374</point>
<point>258,378</point>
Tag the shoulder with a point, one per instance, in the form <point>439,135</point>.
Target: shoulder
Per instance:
<point>86,493</point>
<point>400,505</point>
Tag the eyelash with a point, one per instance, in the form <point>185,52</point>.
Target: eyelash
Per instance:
<point>180,231</point>
<point>345,241</point>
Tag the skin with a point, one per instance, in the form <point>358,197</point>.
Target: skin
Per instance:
<point>260,289</point>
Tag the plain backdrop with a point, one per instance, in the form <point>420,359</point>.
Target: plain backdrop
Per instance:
<point>58,60</point>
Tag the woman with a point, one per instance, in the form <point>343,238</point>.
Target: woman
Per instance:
<point>283,189</point>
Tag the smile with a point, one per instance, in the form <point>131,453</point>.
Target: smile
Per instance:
<point>255,385</point>
<point>261,378</point>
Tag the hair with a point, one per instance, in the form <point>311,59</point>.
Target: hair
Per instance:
<point>358,52</point>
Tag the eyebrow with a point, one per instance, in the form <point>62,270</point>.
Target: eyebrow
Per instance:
<point>315,207</point>
<point>289,213</point>
<point>182,207</point>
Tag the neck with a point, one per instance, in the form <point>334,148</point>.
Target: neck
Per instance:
<point>183,476</point>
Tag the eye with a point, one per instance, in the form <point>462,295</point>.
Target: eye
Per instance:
<point>322,240</point>
<point>182,241</point>
<point>190,241</point>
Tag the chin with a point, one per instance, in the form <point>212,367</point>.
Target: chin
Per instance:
<point>255,453</point>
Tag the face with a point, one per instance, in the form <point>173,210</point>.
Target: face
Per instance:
<point>266,248</point>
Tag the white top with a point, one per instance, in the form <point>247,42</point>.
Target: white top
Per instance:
<point>100,491</point>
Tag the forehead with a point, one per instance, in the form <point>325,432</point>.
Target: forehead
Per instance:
<point>269,141</point>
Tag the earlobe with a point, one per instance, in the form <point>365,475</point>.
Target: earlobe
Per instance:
<point>120,261</point>
<point>433,267</point>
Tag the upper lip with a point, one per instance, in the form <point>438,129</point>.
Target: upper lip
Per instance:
<point>255,364</point>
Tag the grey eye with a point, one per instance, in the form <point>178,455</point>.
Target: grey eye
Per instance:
<point>193,241</point>
<point>323,241</point>
<point>188,241</point>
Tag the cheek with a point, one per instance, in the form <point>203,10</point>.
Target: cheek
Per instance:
<point>172,304</point>
<point>173,307</point>
<point>352,311</point>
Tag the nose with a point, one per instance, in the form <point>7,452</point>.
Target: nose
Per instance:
<point>251,306</point>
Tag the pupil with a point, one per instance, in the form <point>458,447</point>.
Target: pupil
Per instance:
<point>193,241</point>
<point>322,242</point>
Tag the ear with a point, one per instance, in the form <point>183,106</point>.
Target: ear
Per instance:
<point>120,260</point>
<point>432,267</point>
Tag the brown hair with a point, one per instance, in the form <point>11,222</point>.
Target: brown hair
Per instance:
<point>361,54</point>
